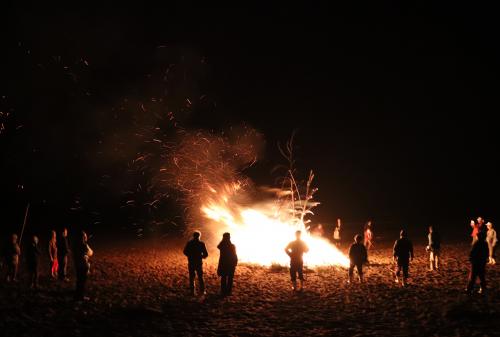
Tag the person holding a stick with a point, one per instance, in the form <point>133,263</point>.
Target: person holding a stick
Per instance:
<point>33,261</point>
<point>63,252</point>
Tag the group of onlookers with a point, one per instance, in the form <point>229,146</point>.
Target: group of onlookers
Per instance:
<point>59,252</point>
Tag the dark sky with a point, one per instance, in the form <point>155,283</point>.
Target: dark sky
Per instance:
<point>393,106</point>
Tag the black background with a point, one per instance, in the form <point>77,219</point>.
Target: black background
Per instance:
<point>393,106</point>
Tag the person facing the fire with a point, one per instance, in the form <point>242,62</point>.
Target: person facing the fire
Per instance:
<point>63,252</point>
<point>196,251</point>
<point>296,250</point>
<point>12,253</point>
<point>82,255</point>
<point>33,261</point>
<point>403,254</point>
<point>478,258</point>
<point>227,264</point>
<point>357,256</point>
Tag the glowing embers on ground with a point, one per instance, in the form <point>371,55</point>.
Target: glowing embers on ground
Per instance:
<point>261,237</point>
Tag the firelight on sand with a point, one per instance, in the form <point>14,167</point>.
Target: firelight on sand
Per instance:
<point>261,234</point>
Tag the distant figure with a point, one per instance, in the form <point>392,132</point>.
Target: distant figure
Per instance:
<point>478,258</point>
<point>296,250</point>
<point>82,255</point>
<point>491,239</point>
<point>477,227</point>
<point>434,248</point>
<point>318,231</point>
<point>368,234</point>
<point>336,234</point>
<point>357,255</point>
<point>403,253</point>
<point>33,262</point>
<point>196,251</point>
<point>54,265</point>
<point>63,252</point>
<point>227,264</point>
<point>12,253</point>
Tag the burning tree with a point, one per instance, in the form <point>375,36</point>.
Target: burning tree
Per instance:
<point>207,170</point>
<point>298,200</point>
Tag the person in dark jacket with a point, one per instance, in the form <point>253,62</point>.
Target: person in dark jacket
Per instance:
<point>478,258</point>
<point>63,252</point>
<point>33,261</point>
<point>403,253</point>
<point>12,254</point>
<point>434,248</point>
<point>357,256</point>
<point>82,255</point>
<point>227,264</point>
<point>196,251</point>
<point>296,250</point>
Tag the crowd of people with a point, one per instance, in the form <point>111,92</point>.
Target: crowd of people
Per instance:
<point>59,252</point>
<point>482,252</point>
<point>484,241</point>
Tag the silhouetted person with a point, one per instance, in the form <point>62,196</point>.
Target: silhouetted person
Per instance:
<point>54,264</point>
<point>357,256</point>
<point>12,253</point>
<point>434,248</point>
<point>403,253</point>
<point>81,256</point>
<point>63,252</point>
<point>227,264</point>
<point>196,251</point>
<point>33,262</point>
<point>368,235</point>
<point>478,258</point>
<point>491,239</point>
<point>296,250</point>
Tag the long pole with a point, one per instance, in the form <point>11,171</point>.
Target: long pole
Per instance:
<point>24,223</point>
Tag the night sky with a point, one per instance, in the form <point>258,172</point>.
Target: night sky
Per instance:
<point>393,107</point>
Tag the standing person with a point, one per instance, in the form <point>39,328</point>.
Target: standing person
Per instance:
<point>296,250</point>
<point>196,251</point>
<point>227,264</point>
<point>318,231</point>
<point>368,234</point>
<point>357,256</point>
<point>475,230</point>
<point>434,248</point>
<point>403,254</point>
<point>336,233</point>
<point>54,265</point>
<point>82,255</point>
<point>491,239</point>
<point>478,258</point>
<point>63,252</point>
<point>12,253</point>
<point>33,262</point>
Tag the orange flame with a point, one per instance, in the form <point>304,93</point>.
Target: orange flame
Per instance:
<point>262,231</point>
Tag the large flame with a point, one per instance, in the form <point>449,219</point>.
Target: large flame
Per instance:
<point>262,231</point>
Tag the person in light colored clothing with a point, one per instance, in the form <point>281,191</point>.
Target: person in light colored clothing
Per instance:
<point>491,239</point>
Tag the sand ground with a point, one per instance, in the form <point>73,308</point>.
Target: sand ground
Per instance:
<point>141,290</point>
